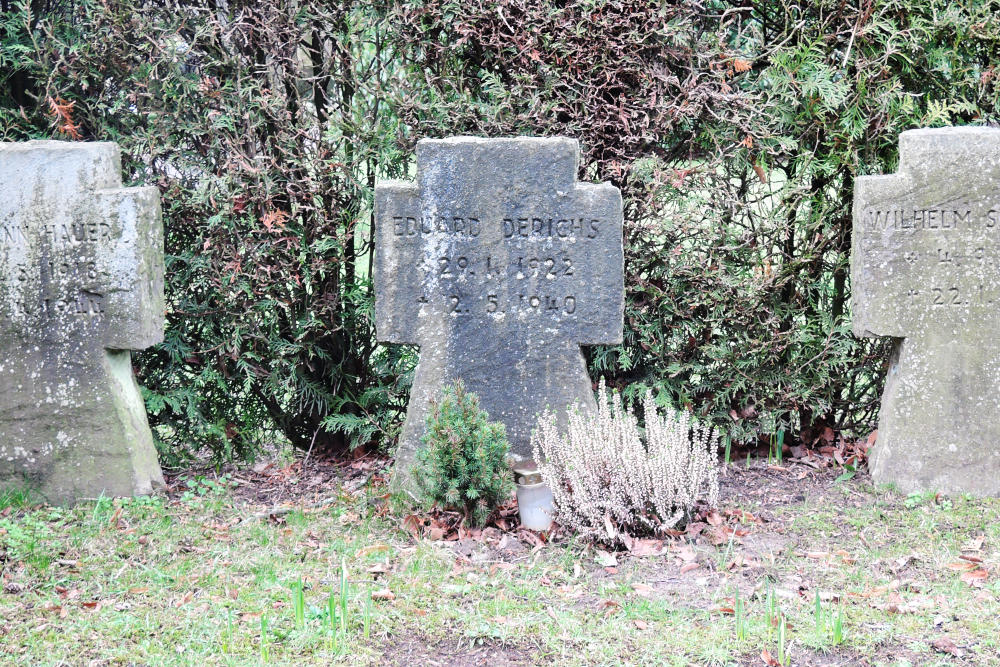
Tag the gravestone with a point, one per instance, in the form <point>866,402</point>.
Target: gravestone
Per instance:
<point>499,265</point>
<point>925,269</point>
<point>81,276</point>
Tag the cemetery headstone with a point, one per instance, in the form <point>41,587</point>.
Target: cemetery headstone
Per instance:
<point>499,265</point>
<point>81,275</point>
<point>925,269</point>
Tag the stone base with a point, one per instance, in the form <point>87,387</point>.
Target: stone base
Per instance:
<point>946,444</point>
<point>110,453</point>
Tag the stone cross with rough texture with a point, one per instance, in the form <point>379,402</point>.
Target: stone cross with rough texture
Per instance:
<point>499,265</point>
<point>81,284</point>
<point>925,269</point>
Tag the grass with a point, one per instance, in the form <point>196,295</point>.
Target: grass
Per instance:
<point>843,573</point>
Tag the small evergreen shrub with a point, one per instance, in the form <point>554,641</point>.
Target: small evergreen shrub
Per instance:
<point>608,482</point>
<point>463,465</point>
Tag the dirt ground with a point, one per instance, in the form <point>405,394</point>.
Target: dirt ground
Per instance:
<point>760,541</point>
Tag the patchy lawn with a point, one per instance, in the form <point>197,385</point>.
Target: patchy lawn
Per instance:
<point>796,568</point>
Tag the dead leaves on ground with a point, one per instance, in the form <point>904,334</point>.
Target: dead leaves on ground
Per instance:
<point>450,526</point>
<point>383,595</point>
<point>970,563</point>
<point>946,645</point>
<point>769,659</point>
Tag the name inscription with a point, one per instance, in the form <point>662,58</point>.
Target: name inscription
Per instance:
<point>60,277</point>
<point>63,235</point>
<point>467,226</point>
<point>510,274</point>
<point>84,304</point>
<point>950,255</point>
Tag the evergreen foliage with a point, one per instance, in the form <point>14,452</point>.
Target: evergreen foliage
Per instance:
<point>264,126</point>
<point>463,464</point>
<point>734,130</point>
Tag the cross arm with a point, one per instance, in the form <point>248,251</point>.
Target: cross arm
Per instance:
<point>604,284</point>
<point>397,246</point>
<point>133,266</point>
<point>879,273</point>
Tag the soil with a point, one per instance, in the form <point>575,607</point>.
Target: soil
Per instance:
<point>408,651</point>
<point>301,482</point>
<point>691,569</point>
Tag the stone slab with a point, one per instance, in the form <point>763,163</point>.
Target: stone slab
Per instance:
<point>925,270</point>
<point>81,285</point>
<point>499,265</point>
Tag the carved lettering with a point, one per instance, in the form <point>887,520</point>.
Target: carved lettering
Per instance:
<point>547,227</point>
<point>14,235</point>
<point>917,219</point>
<point>462,226</point>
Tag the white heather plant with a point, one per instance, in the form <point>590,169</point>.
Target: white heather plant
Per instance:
<point>608,484</point>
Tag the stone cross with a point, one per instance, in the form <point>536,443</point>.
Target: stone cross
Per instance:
<point>81,284</point>
<point>925,269</point>
<point>499,265</point>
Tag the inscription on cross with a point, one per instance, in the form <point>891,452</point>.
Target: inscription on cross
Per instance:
<point>499,265</point>
<point>925,269</point>
<point>81,284</point>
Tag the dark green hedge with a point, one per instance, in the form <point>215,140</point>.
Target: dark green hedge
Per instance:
<point>734,130</point>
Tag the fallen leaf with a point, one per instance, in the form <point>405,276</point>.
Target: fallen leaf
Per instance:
<point>761,174</point>
<point>975,544</point>
<point>694,528</point>
<point>768,659</point>
<point>641,548</point>
<point>375,548</point>
<point>743,516</point>
<point>717,535</point>
<point>687,567</point>
<point>383,595</point>
<point>961,566</point>
<point>610,606</point>
<point>640,624</point>
<point>946,645</point>
<point>642,589</point>
<point>414,524</point>
<point>975,577</point>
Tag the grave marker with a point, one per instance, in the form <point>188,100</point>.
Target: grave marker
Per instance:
<point>499,265</point>
<point>81,284</point>
<point>925,269</point>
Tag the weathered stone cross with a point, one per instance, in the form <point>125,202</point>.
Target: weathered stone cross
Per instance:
<point>81,284</point>
<point>499,265</point>
<point>925,269</point>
